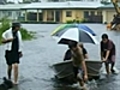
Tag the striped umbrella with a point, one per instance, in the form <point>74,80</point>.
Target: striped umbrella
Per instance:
<point>63,28</point>
<point>74,34</point>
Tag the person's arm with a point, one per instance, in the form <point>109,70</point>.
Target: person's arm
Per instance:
<point>83,64</point>
<point>7,40</point>
<point>85,70</point>
<point>4,40</point>
<point>86,56</point>
<point>85,53</point>
<point>110,45</point>
<point>101,52</point>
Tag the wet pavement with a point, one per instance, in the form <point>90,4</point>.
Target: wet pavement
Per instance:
<point>39,54</point>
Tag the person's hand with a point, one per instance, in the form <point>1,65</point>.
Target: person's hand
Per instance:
<point>20,54</point>
<point>104,59</point>
<point>10,40</point>
<point>85,77</point>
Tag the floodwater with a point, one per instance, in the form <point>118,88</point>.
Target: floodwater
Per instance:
<point>39,54</point>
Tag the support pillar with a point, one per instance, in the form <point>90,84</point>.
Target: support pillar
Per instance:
<point>104,14</point>
<point>38,15</point>
<point>26,16</point>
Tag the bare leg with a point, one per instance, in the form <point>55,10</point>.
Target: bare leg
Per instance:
<point>81,82</point>
<point>112,66</point>
<point>107,68</point>
<point>15,67</point>
<point>9,71</point>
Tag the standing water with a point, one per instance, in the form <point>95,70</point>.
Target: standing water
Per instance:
<point>39,54</point>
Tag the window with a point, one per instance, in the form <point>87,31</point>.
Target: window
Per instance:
<point>86,14</point>
<point>99,13</point>
<point>68,13</point>
<point>92,13</point>
<point>50,15</point>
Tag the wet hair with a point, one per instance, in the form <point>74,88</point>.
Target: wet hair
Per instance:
<point>104,36</point>
<point>72,44</point>
<point>15,24</point>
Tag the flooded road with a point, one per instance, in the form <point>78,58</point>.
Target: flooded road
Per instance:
<point>39,54</point>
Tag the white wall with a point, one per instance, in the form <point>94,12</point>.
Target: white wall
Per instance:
<point>13,15</point>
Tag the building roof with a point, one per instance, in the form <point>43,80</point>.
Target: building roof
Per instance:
<point>57,5</point>
<point>109,6</point>
<point>63,5</point>
<point>11,6</point>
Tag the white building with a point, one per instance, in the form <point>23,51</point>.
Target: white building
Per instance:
<point>11,11</point>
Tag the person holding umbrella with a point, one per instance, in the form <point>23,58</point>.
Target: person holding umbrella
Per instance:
<point>78,62</point>
<point>13,40</point>
<point>68,54</point>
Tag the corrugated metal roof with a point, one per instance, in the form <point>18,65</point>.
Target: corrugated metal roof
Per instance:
<point>56,5</point>
<point>12,6</point>
<point>59,5</point>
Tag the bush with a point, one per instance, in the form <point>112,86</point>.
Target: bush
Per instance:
<point>83,20</point>
<point>5,25</point>
<point>69,21</point>
<point>77,21</point>
<point>41,22</point>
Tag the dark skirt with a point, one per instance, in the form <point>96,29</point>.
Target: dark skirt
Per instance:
<point>11,57</point>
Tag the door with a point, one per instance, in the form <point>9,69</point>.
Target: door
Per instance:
<point>57,16</point>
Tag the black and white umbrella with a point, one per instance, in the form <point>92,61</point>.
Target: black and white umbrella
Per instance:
<point>76,35</point>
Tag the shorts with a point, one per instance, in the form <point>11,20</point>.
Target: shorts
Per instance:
<point>111,60</point>
<point>78,72</point>
<point>11,57</point>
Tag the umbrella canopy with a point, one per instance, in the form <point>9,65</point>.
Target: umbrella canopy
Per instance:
<point>76,35</point>
<point>63,28</point>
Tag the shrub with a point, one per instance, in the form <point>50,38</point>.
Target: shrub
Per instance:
<point>5,25</point>
<point>69,21</point>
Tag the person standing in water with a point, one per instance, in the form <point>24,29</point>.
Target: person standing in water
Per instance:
<point>78,62</point>
<point>13,40</point>
<point>108,53</point>
<point>68,54</point>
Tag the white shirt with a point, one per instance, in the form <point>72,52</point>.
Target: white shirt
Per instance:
<point>8,35</point>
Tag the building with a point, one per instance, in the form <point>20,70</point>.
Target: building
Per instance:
<point>60,12</point>
<point>65,11</point>
<point>12,11</point>
<point>108,12</point>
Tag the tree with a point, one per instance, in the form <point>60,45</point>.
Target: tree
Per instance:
<point>106,2</point>
<point>10,2</point>
<point>35,0</point>
<point>27,1</point>
<point>3,1</point>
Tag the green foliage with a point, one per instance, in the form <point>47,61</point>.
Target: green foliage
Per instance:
<point>69,21</point>
<point>76,21</point>
<point>5,25</point>
<point>105,2</point>
<point>27,35</point>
